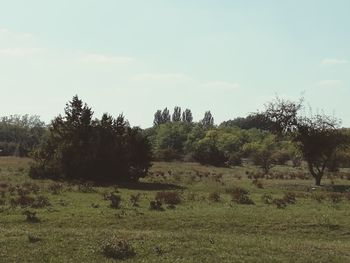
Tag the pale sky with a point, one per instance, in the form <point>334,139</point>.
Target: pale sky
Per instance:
<point>137,56</point>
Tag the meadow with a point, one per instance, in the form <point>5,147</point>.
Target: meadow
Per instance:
<point>181,212</point>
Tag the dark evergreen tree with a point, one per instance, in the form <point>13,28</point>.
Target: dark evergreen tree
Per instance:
<point>158,118</point>
<point>165,115</point>
<point>177,114</point>
<point>208,120</point>
<point>187,116</point>
<point>105,150</point>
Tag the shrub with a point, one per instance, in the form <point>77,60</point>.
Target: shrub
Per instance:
<point>240,196</point>
<point>156,205</point>
<point>319,197</point>
<point>214,197</point>
<point>40,202</point>
<point>289,198</point>
<point>267,199</point>
<point>86,188</point>
<point>335,197</point>
<point>169,198</point>
<point>22,200</point>
<point>280,203</point>
<point>134,199</point>
<point>31,216</point>
<point>55,188</point>
<point>117,248</point>
<point>257,183</point>
<point>32,238</point>
<point>115,201</point>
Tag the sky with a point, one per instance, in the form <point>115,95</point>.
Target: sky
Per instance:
<point>136,56</point>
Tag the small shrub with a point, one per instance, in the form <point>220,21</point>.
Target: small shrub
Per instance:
<point>267,199</point>
<point>86,188</point>
<point>31,216</point>
<point>240,196</point>
<point>2,201</point>
<point>257,183</point>
<point>289,198</point>
<point>32,238</point>
<point>40,202</point>
<point>22,200</point>
<point>335,197</point>
<point>214,197</point>
<point>115,201</point>
<point>319,197</point>
<point>55,188</point>
<point>169,198</point>
<point>280,203</point>
<point>134,199</point>
<point>156,205</point>
<point>117,248</point>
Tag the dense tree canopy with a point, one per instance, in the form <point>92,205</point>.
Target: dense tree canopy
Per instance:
<point>78,147</point>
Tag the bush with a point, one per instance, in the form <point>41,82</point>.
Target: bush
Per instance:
<point>214,197</point>
<point>40,202</point>
<point>290,198</point>
<point>115,201</point>
<point>257,183</point>
<point>240,196</point>
<point>55,188</point>
<point>134,199</point>
<point>267,199</point>
<point>169,198</point>
<point>31,216</point>
<point>117,248</point>
<point>32,238</point>
<point>156,205</point>
<point>22,200</point>
<point>280,203</point>
<point>335,197</point>
<point>319,197</point>
<point>234,160</point>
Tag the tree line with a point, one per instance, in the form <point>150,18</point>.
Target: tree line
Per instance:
<point>77,146</point>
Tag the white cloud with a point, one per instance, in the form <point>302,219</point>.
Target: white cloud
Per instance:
<point>17,52</point>
<point>331,83</point>
<point>100,58</point>
<point>332,62</point>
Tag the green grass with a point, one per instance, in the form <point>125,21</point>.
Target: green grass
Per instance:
<point>73,228</point>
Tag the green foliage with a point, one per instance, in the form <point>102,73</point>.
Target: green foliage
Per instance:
<point>207,151</point>
<point>78,147</point>
<point>117,248</point>
<point>169,198</point>
<point>20,134</point>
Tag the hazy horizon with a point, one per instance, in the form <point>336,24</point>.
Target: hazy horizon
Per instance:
<point>134,57</point>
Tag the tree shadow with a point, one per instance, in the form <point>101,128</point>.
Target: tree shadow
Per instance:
<point>339,188</point>
<point>151,186</point>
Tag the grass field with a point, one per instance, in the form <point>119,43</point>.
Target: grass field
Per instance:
<point>206,226</point>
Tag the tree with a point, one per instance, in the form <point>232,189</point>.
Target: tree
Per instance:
<point>19,134</point>
<point>262,152</point>
<point>177,114</point>
<point>208,120</point>
<point>317,137</point>
<point>80,148</point>
<point>158,118</point>
<point>207,151</point>
<point>187,116</point>
<point>165,116</point>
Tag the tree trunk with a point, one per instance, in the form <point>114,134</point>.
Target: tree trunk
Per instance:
<point>318,180</point>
